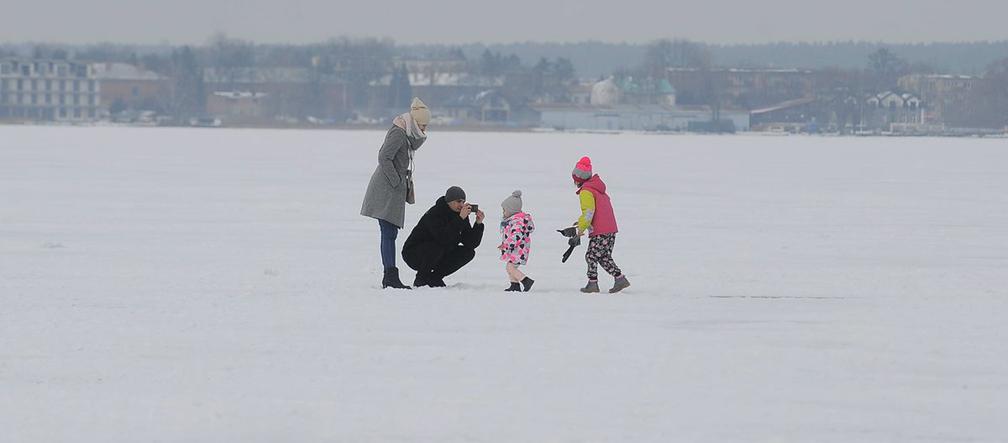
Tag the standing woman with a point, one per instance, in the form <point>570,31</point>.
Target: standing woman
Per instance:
<point>385,199</point>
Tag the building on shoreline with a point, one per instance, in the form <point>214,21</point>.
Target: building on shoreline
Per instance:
<point>749,87</point>
<point>48,90</point>
<point>626,104</point>
<point>628,117</point>
<point>287,92</point>
<point>237,106</point>
<point>123,87</point>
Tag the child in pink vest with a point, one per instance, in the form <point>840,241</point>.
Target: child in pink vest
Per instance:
<point>516,244</point>
<point>599,220</point>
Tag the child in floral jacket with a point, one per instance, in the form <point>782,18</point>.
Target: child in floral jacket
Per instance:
<point>516,232</point>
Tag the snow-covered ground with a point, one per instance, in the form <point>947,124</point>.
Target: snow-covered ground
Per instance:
<point>214,285</point>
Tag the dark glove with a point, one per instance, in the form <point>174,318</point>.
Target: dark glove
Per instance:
<point>567,254</point>
<point>568,232</point>
<point>575,241</point>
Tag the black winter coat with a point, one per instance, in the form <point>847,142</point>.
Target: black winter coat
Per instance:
<point>442,226</point>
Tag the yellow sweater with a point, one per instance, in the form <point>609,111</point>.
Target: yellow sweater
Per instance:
<point>587,211</point>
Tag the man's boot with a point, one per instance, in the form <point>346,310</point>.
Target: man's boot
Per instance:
<point>515,287</point>
<point>436,281</point>
<point>591,288</point>
<point>422,279</point>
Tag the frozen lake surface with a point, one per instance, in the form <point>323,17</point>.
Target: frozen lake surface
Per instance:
<point>212,285</point>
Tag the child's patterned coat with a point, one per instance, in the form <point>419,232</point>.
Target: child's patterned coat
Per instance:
<point>516,232</point>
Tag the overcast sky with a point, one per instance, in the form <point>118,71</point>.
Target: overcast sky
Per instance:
<point>450,21</point>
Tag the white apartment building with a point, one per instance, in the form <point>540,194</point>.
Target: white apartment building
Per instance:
<point>48,90</point>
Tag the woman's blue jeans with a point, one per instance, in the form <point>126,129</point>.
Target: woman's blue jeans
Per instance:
<point>389,232</point>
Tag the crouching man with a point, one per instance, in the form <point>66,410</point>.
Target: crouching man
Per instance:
<point>443,241</point>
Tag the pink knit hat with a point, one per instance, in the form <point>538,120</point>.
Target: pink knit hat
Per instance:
<point>582,171</point>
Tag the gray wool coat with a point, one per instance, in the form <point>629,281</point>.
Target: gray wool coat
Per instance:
<point>385,198</point>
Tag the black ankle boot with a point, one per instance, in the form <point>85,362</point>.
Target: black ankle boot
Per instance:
<point>527,283</point>
<point>436,281</point>
<point>421,279</point>
<point>515,287</point>
<point>391,279</point>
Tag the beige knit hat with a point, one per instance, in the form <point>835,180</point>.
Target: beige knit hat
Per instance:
<point>419,112</point>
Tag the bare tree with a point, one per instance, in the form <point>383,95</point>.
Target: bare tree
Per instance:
<point>231,57</point>
<point>189,93</point>
<point>886,69</point>
<point>987,104</point>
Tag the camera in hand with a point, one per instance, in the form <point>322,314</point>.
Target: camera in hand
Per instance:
<point>474,208</point>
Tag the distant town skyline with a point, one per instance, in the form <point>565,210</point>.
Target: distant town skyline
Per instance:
<point>457,22</point>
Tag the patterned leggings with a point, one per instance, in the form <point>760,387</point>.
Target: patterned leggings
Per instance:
<point>600,249</point>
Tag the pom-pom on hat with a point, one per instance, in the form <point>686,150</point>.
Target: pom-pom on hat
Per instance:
<point>513,204</point>
<point>582,170</point>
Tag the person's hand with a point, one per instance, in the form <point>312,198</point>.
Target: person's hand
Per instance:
<point>466,210</point>
<point>479,216</point>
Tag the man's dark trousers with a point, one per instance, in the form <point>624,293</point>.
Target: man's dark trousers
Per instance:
<point>435,260</point>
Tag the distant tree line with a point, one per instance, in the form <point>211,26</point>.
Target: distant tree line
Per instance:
<point>356,62</point>
<point>545,71</point>
<point>593,59</point>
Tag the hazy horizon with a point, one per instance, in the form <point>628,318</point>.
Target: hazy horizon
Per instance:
<point>208,39</point>
<point>519,21</point>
